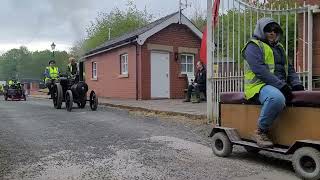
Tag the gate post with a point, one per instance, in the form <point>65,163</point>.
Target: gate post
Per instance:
<point>310,44</point>
<point>209,63</point>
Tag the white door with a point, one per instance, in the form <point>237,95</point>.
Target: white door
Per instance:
<point>160,78</point>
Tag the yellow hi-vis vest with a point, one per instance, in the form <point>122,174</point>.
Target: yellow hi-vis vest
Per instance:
<point>10,82</point>
<point>252,84</point>
<point>53,72</point>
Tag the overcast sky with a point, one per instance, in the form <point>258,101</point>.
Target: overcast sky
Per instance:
<point>37,23</point>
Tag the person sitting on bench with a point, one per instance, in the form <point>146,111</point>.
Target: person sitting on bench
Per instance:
<point>200,82</point>
<point>269,76</point>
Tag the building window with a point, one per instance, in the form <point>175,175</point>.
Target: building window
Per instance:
<point>94,70</point>
<point>187,64</point>
<point>124,64</point>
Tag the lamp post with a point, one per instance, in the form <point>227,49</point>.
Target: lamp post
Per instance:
<point>53,46</point>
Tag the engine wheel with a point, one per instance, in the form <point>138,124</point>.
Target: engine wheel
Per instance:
<point>69,100</point>
<point>93,101</point>
<point>57,96</point>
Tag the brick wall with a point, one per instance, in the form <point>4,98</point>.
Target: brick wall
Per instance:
<point>177,36</point>
<point>316,38</point>
<point>109,83</point>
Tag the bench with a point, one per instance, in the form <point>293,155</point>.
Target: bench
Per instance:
<point>300,98</point>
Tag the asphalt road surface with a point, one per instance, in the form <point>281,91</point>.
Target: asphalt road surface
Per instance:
<point>40,142</point>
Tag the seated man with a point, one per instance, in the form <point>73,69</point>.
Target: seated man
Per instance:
<point>51,75</point>
<point>200,82</point>
<point>269,76</point>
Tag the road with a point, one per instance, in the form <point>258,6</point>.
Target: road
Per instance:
<point>40,142</point>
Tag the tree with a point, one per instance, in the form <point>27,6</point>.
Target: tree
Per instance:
<point>23,64</point>
<point>244,33</point>
<point>119,22</point>
<point>199,17</point>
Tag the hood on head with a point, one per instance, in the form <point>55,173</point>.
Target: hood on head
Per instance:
<point>261,24</point>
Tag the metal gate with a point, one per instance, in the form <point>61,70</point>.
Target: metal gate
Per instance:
<point>236,23</point>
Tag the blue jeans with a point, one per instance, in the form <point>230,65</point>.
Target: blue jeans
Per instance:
<point>273,102</point>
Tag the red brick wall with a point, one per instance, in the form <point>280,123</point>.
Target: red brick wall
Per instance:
<point>316,39</point>
<point>108,83</point>
<point>177,36</point>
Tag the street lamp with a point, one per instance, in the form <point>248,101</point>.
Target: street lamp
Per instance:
<point>53,46</point>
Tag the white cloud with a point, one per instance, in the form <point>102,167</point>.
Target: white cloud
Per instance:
<point>37,23</point>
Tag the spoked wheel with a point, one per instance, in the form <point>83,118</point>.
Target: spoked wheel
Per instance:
<point>306,163</point>
<point>69,100</point>
<point>82,103</point>
<point>57,96</point>
<point>93,101</point>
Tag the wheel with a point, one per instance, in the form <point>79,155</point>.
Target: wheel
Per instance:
<point>251,149</point>
<point>306,163</point>
<point>93,101</point>
<point>24,97</point>
<point>222,146</point>
<point>82,102</point>
<point>57,96</point>
<point>5,97</point>
<point>69,100</point>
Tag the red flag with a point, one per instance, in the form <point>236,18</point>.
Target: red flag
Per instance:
<point>215,16</point>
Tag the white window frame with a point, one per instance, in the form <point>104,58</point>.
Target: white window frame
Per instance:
<point>185,71</point>
<point>94,70</point>
<point>124,64</point>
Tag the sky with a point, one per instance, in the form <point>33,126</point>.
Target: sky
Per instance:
<point>37,23</point>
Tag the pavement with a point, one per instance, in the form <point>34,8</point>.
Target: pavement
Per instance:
<point>39,142</point>
<point>167,106</point>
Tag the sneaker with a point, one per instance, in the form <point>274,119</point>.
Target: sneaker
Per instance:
<point>262,139</point>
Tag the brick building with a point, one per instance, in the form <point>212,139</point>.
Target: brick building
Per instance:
<point>148,63</point>
<point>315,42</point>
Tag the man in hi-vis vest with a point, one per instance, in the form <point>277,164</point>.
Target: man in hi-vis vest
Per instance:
<point>51,75</point>
<point>269,76</point>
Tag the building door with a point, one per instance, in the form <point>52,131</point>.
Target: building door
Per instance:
<point>160,77</point>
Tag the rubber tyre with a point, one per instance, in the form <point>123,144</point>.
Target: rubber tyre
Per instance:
<point>82,102</point>
<point>252,149</point>
<point>93,101</point>
<point>306,163</point>
<point>58,96</point>
<point>6,98</point>
<point>69,100</point>
<point>221,146</point>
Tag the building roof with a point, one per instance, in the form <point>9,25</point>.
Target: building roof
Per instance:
<point>142,34</point>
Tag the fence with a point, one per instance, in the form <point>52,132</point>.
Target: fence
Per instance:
<point>237,20</point>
